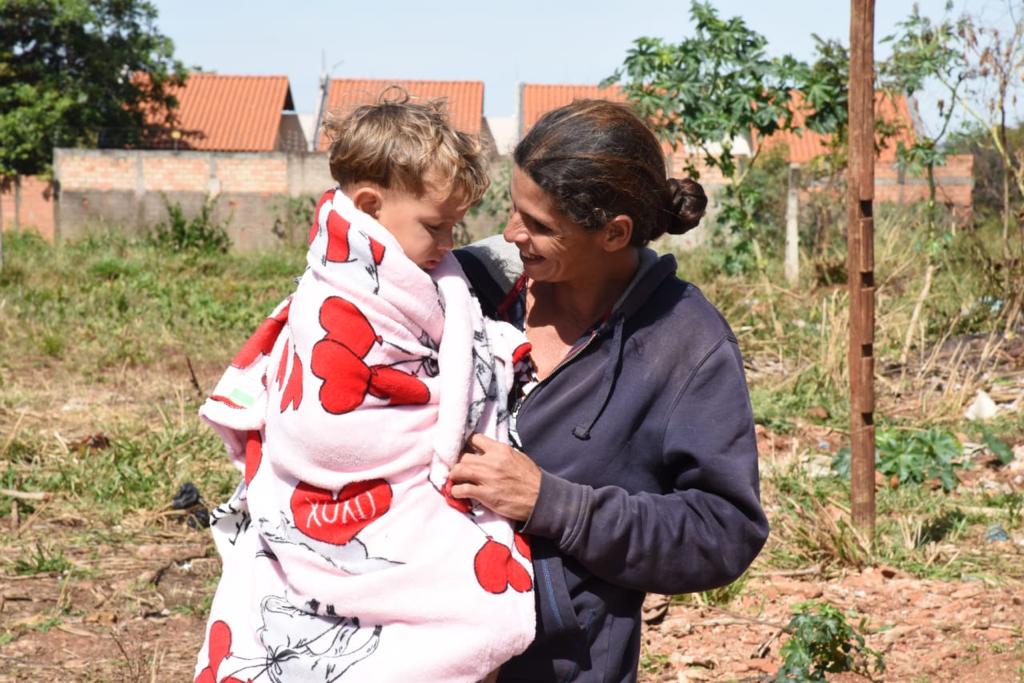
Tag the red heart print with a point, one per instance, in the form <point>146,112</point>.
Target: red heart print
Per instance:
<point>376,250</point>
<point>399,388</point>
<point>292,394</point>
<point>316,215</point>
<point>283,365</point>
<point>226,401</point>
<point>460,504</point>
<point>253,455</point>
<point>337,518</point>
<point>345,323</point>
<point>262,340</point>
<point>218,647</point>
<point>345,375</point>
<point>337,238</point>
<point>496,569</point>
<point>521,352</point>
<point>522,545</point>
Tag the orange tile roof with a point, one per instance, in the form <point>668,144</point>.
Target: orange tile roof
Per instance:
<point>807,144</point>
<point>465,98</point>
<point>536,99</point>
<point>231,113</point>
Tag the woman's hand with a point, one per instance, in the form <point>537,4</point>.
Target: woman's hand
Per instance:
<point>500,477</point>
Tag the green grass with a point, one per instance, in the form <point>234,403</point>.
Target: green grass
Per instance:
<point>920,530</point>
<point>107,300</point>
<point>137,472</point>
<point>87,312</point>
<point>105,308</point>
<point>41,562</point>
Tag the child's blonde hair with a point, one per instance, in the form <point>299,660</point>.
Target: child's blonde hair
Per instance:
<point>405,145</point>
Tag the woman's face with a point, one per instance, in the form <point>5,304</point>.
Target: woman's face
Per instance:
<point>552,247</point>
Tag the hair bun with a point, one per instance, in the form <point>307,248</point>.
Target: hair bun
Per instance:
<point>686,205</point>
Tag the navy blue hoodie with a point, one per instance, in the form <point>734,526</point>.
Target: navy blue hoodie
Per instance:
<point>646,441</point>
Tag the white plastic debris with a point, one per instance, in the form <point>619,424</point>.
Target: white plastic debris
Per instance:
<point>982,407</point>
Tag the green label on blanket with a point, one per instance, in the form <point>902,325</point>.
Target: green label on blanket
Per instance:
<point>241,398</point>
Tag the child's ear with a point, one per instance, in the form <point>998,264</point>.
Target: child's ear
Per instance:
<point>618,232</point>
<point>369,200</point>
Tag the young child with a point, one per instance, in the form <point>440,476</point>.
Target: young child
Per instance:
<point>344,554</point>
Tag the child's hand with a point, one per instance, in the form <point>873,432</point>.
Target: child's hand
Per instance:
<point>500,477</point>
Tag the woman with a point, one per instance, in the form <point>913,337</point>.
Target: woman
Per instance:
<point>636,465</point>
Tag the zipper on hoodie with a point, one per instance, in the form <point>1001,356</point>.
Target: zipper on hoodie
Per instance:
<point>580,348</point>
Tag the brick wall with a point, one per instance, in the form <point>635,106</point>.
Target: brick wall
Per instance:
<point>131,189</point>
<point>26,203</point>
<point>954,181</point>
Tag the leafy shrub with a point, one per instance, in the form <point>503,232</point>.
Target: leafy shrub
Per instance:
<point>197,234</point>
<point>294,218</point>
<point>496,202</point>
<point>822,641</point>
<point>751,218</point>
<point>912,457</point>
<point>1012,504</point>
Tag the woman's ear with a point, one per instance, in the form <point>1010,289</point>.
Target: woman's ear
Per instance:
<point>618,233</point>
<point>368,199</point>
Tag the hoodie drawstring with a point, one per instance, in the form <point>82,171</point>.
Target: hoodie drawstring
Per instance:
<point>582,430</point>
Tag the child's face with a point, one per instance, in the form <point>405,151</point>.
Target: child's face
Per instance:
<point>422,225</point>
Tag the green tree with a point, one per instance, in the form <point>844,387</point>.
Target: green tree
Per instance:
<point>73,69</point>
<point>923,50</point>
<point>995,55</point>
<point>707,91</point>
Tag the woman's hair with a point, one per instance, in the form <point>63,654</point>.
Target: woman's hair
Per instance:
<point>405,145</point>
<point>597,160</point>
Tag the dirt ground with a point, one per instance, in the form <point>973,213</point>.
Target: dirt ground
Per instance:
<point>139,621</point>
<point>134,609</point>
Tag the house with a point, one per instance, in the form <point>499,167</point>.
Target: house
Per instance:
<point>892,183</point>
<point>465,101</point>
<point>805,145</point>
<point>536,99</point>
<point>234,114</point>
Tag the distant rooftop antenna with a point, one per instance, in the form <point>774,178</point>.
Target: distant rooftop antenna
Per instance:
<point>325,85</point>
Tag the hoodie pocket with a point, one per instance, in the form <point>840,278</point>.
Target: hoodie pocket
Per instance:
<point>555,613</point>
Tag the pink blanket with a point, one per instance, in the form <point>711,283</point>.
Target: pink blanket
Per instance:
<point>344,554</point>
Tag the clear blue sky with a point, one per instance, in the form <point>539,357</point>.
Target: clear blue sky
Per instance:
<point>500,43</point>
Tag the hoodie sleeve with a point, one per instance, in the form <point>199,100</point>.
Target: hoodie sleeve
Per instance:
<point>701,534</point>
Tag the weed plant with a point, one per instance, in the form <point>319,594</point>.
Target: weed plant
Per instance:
<point>912,457</point>
<point>920,530</point>
<point>200,233</point>
<point>41,562</point>
<point>822,641</point>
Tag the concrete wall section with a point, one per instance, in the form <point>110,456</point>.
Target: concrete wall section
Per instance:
<point>131,189</point>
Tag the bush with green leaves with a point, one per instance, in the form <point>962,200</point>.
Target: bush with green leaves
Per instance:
<point>200,233</point>
<point>912,457</point>
<point>822,641</point>
<point>496,202</point>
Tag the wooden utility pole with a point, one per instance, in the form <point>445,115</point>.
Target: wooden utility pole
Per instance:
<point>860,264</point>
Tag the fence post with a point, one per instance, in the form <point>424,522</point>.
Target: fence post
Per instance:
<point>792,266</point>
<point>860,265</point>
